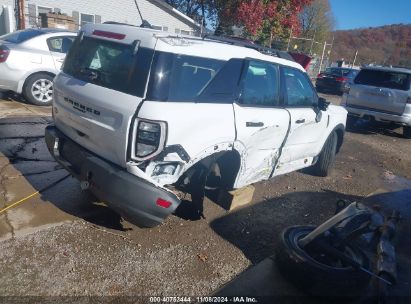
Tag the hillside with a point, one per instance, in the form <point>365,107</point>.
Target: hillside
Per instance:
<point>387,45</point>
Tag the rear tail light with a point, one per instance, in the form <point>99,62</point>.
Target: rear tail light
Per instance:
<point>341,79</point>
<point>4,53</point>
<point>320,75</point>
<point>149,139</point>
<point>163,203</point>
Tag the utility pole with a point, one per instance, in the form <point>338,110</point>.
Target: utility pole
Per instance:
<point>355,58</point>
<point>312,43</point>
<point>331,48</point>
<point>19,14</point>
<point>22,15</point>
<point>322,57</point>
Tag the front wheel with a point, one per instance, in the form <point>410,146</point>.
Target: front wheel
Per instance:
<point>317,272</point>
<point>38,89</point>
<point>326,158</point>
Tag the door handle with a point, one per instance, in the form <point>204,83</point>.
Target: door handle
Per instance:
<point>254,124</point>
<point>300,121</point>
<point>60,60</point>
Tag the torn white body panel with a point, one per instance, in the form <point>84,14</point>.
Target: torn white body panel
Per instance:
<point>260,135</point>
<point>200,129</point>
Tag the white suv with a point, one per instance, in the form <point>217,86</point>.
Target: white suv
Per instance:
<point>139,113</point>
<point>382,94</point>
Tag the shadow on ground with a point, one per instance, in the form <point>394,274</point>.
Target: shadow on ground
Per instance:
<point>255,229</point>
<point>28,165</point>
<point>366,127</point>
<point>11,96</point>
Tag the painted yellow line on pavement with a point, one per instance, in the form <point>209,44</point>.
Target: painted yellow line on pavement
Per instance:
<point>33,194</point>
<point>19,202</point>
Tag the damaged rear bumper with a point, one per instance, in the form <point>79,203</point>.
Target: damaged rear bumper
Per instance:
<point>136,199</point>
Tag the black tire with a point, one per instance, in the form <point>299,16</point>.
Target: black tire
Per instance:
<point>44,97</point>
<point>317,278</point>
<point>351,120</point>
<point>406,132</point>
<point>326,158</point>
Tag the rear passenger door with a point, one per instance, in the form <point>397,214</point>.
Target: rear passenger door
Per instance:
<point>305,132</point>
<point>261,122</point>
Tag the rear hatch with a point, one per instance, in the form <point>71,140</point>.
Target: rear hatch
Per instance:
<point>380,90</point>
<point>102,83</point>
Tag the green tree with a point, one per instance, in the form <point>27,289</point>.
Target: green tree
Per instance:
<point>317,22</point>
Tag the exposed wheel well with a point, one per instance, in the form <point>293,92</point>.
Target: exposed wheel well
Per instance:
<point>228,166</point>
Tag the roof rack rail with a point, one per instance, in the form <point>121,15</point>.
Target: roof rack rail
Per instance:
<point>401,67</point>
<point>251,45</point>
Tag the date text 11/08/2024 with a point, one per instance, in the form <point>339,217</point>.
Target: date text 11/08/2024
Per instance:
<point>203,300</point>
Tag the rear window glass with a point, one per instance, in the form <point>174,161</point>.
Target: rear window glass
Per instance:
<point>21,36</point>
<point>109,64</point>
<point>385,79</point>
<point>182,78</point>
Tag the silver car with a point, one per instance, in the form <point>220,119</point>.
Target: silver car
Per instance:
<point>382,94</point>
<point>29,60</point>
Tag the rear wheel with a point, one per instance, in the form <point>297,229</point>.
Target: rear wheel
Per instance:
<point>326,158</point>
<point>38,89</point>
<point>407,131</point>
<point>317,272</point>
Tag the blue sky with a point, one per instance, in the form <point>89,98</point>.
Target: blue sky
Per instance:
<point>351,14</point>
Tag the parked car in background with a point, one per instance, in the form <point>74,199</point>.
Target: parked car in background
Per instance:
<point>29,60</point>
<point>334,79</point>
<point>382,94</point>
<point>139,113</point>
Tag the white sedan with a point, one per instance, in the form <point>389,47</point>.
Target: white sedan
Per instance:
<point>29,60</point>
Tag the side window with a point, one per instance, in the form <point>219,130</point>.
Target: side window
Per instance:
<point>261,85</point>
<point>298,87</point>
<point>60,44</point>
<point>182,78</point>
<point>223,88</point>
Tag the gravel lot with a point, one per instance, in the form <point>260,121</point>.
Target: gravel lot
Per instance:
<point>64,243</point>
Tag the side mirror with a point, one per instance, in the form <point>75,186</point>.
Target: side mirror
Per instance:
<point>323,104</point>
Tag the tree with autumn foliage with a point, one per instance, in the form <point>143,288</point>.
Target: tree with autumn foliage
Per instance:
<point>264,20</point>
